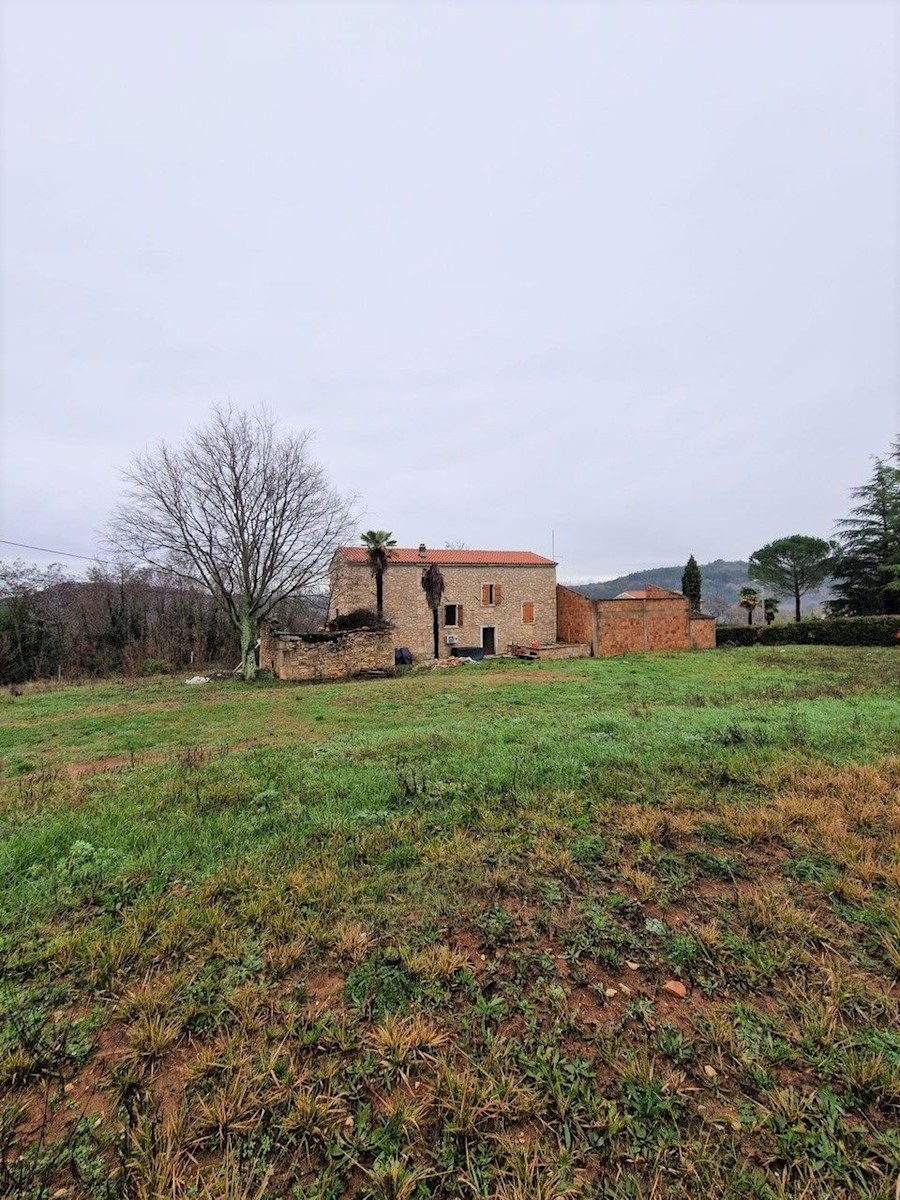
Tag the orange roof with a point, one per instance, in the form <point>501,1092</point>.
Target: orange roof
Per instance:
<point>455,558</point>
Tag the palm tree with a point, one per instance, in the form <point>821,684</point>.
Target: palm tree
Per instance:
<point>748,598</point>
<point>433,586</point>
<point>378,543</point>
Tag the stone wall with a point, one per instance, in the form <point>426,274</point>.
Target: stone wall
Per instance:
<point>406,608</point>
<point>575,650</point>
<point>341,656</point>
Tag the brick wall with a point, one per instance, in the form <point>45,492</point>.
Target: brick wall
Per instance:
<point>574,621</point>
<point>660,621</point>
<point>406,607</point>
<point>342,656</point>
<point>703,633</point>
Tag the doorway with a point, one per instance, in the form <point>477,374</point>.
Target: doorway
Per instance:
<point>489,639</point>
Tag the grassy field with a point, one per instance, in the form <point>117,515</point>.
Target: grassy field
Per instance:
<point>624,928</point>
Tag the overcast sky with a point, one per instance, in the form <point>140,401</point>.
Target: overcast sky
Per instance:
<point>618,280</point>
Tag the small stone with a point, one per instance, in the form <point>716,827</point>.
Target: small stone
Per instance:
<point>632,966</point>
<point>625,988</point>
<point>710,1072</point>
<point>70,1087</point>
<point>610,992</point>
<point>676,988</point>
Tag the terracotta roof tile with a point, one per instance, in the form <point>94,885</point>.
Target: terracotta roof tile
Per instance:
<point>450,558</point>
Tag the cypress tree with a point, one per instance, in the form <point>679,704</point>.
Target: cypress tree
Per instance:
<point>691,583</point>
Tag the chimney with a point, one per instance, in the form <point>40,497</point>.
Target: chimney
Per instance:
<point>422,550</point>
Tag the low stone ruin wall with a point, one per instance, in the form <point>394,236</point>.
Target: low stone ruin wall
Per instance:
<point>326,656</point>
<point>565,651</point>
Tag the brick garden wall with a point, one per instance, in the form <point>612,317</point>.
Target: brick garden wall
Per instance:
<point>654,623</point>
<point>661,621</point>
<point>703,633</point>
<point>574,622</point>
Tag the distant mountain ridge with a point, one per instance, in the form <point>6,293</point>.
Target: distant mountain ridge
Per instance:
<point>722,580</point>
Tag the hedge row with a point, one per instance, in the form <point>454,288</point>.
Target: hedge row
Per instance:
<point>840,631</point>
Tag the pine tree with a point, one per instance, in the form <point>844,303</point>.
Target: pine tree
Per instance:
<point>867,571</point>
<point>792,566</point>
<point>692,583</point>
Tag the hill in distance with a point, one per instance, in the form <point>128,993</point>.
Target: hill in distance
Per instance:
<point>722,580</point>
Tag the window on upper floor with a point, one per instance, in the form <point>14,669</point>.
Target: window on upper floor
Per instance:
<point>491,593</point>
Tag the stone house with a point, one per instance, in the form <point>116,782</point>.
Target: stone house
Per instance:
<point>493,598</point>
<point>649,619</point>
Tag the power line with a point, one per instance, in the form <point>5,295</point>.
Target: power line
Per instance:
<point>44,550</point>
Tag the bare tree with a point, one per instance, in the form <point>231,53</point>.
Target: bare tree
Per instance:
<point>241,509</point>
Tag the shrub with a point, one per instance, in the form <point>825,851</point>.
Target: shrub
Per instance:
<point>838,631</point>
<point>155,666</point>
<point>358,618</point>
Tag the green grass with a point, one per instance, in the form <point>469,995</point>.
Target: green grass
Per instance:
<point>411,937</point>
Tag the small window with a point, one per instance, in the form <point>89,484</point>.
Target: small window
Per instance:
<point>527,612</point>
<point>491,593</point>
<point>453,614</point>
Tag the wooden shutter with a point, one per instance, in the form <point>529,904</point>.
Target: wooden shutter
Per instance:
<point>527,612</point>
<point>498,593</point>
<point>459,615</point>
<point>485,593</point>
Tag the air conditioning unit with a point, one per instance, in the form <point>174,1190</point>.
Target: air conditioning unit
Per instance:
<point>452,639</point>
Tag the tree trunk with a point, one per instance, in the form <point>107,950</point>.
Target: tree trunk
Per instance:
<point>796,605</point>
<point>379,595</point>
<point>749,616</point>
<point>434,628</point>
<point>249,631</point>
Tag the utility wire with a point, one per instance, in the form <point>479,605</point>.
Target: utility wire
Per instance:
<point>44,550</point>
